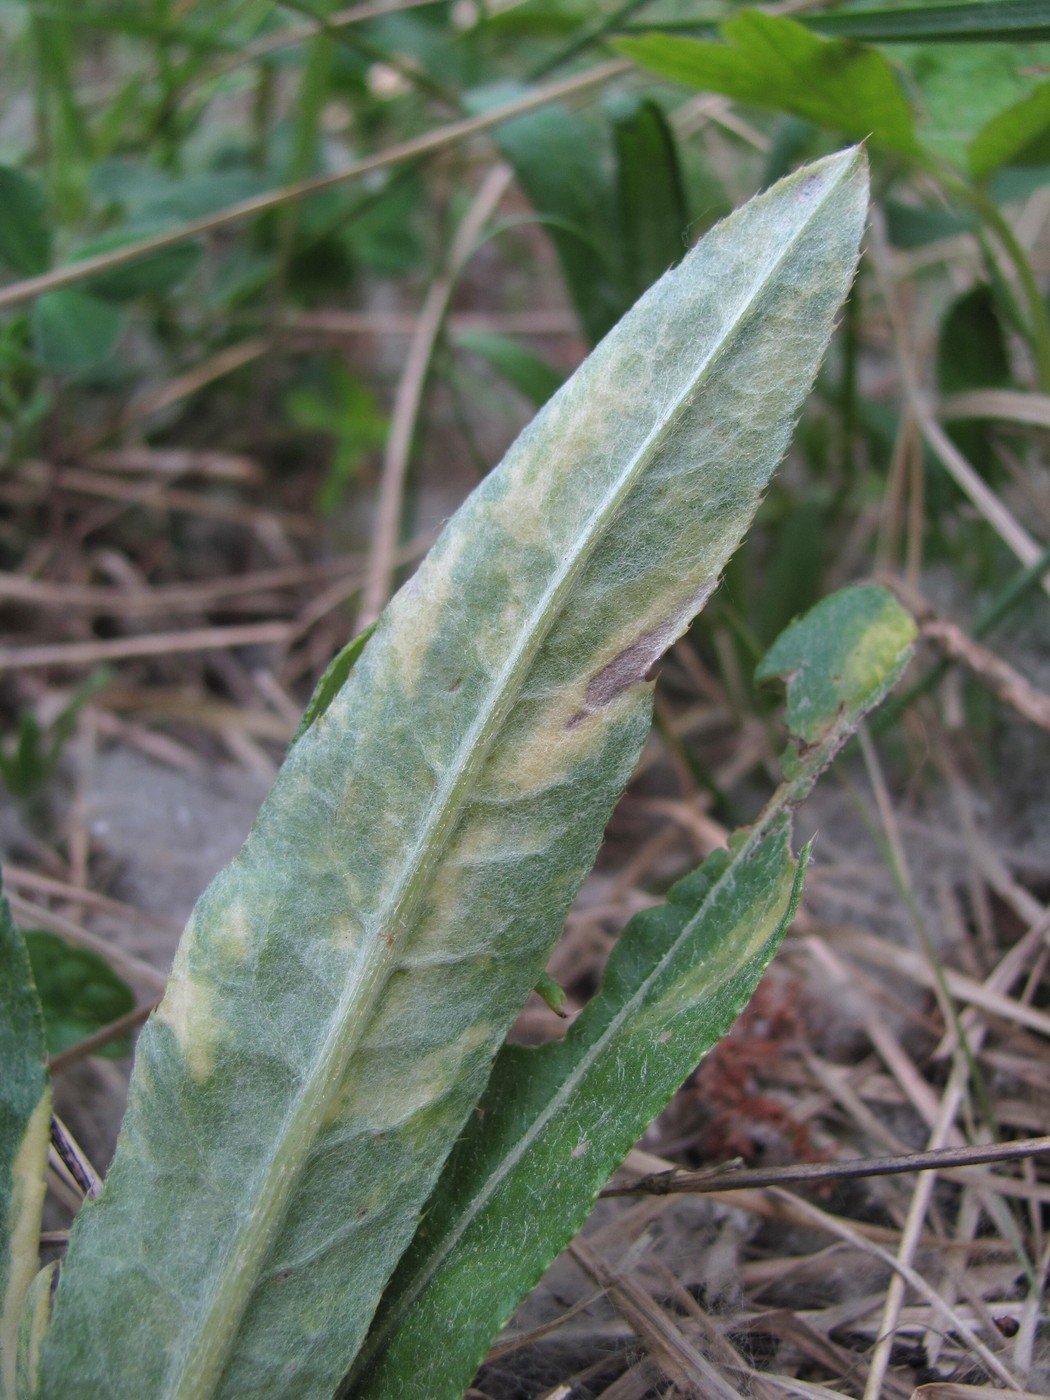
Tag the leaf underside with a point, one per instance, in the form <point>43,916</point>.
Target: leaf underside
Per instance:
<point>343,985</point>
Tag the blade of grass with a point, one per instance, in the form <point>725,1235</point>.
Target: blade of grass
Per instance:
<point>1015,22</point>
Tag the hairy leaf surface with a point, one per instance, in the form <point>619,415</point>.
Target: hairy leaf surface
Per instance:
<point>343,985</point>
<point>555,1121</point>
<point>25,1123</point>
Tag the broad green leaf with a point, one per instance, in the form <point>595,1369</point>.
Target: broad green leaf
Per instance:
<point>554,1122</point>
<point>651,199</point>
<point>25,235</point>
<point>521,367</point>
<point>79,993</point>
<point>972,349</point>
<point>25,1126</point>
<point>1020,135</point>
<point>770,61</point>
<point>155,199</point>
<point>343,985</point>
<point>964,87</point>
<point>973,353</point>
<point>148,276</point>
<point>913,226</point>
<point>74,332</point>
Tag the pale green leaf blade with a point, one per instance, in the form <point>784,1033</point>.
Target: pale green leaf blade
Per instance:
<point>25,1124</point>
<point>342,987</point>
<point>555,1122</point>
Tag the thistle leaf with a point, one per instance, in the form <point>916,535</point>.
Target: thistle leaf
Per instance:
<point>343,985</point>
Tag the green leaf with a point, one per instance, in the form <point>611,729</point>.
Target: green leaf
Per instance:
<point>344,984</point>
<point>914,226</point>
<point>770,61</point>
<point>74,332</point>
<point>973,353</point>
<point>25,234</point>
<point>554,1122</point>
<point>972,350</point>
<point>843,655</point>
<point>651,199</point>
<point>521,367</point>
<point>79,993</point>
<point>383,233</point>
<point>25,1130</point>
<point>1020,135</point>
<point>964,87</point>
<point>560,160</point>
<point>332,681</point>
<point>151,275</point>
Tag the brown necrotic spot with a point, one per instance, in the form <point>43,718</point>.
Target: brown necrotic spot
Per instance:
<point>632,666</point>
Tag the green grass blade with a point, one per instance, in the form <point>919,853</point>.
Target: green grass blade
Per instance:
<point>652,205</point>
<point>560,160</point>
<point>555,1122</point>
<point>1005,22</point>
<point>1002,22</point>
<point>343,985</point>
<point>25,1123</point>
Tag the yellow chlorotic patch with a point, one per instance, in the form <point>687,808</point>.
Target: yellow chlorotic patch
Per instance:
<point>237,932</point>
<point>520,515</point>
<point>558,739</point>
<point>386,1097</point>
<point>27,1197</point>
<point>420,608</point>
<point>188,1009</point>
